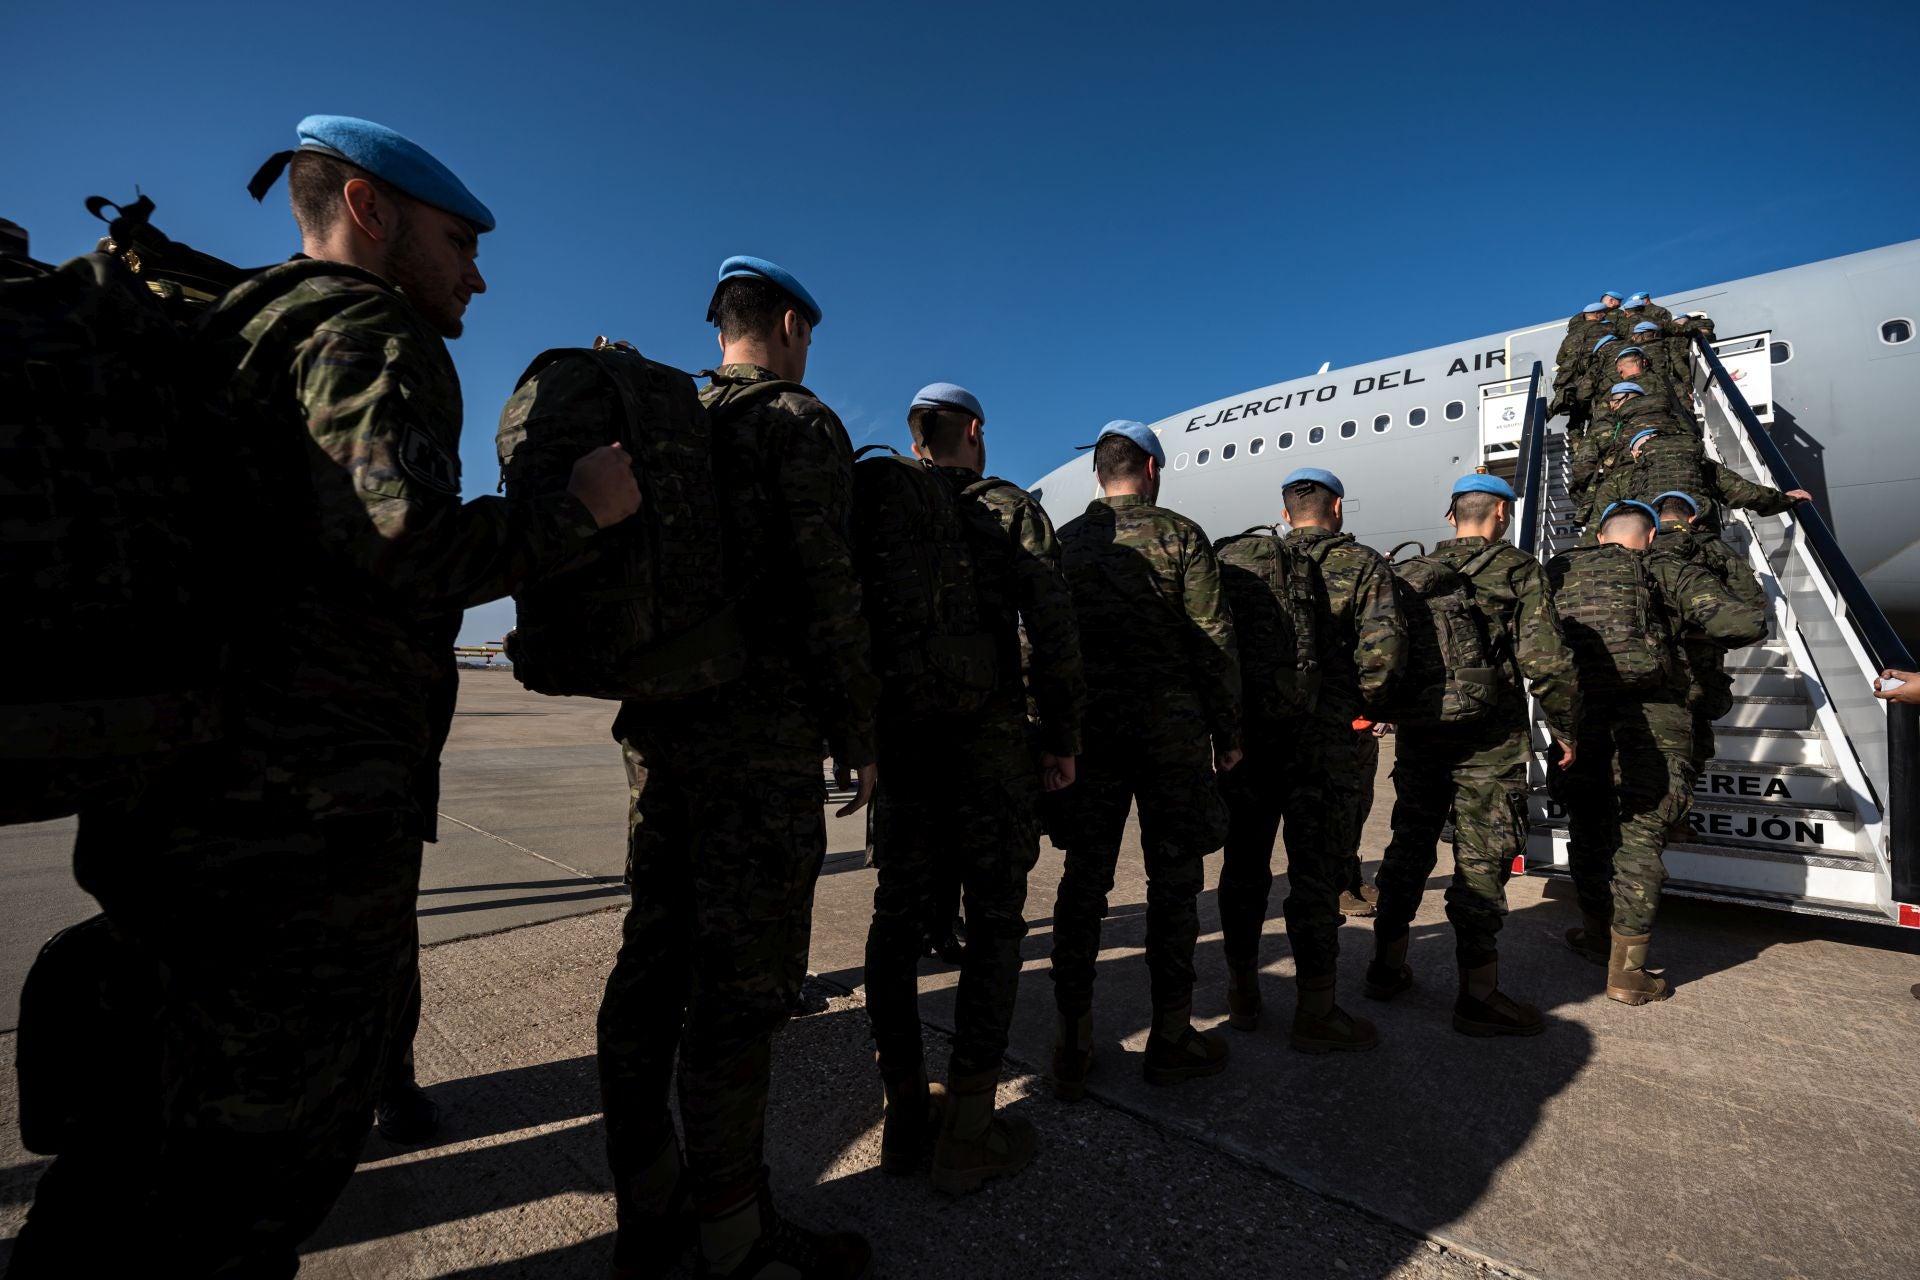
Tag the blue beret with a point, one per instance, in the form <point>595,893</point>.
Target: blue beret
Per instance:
<point>1626,388</point>
<point>1138,432</point>
<point>389,156</point>
<point>1592,307</point>
<point>742,265</point>
<point>1638,436</point>
<point>1480,482</point>
<point>1603,342</point>
<point>1316,475</point>
<point>1638,299</point>
<point>1629,502</point>
<point>947,395</point>
<point>1633,304</point>
<point>1675,493</point>
<point>1611,293</point>
<point>1646,326</point>
<point>1629,351</point>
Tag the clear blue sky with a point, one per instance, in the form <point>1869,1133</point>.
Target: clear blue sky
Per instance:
<point>1079,213</point>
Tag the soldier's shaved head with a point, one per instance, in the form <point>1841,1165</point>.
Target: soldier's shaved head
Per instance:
<point>1628,527</point>
<point>1312,504</point>
<point>1475,508</point>
<point>1676,509</point>
<point>1118,460</point>
<point>749,307</point>
<point>939,432</point>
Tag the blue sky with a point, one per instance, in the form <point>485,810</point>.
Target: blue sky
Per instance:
<point>1080,212</point>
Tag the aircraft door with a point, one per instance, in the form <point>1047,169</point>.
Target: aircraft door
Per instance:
<point>1503,416</point>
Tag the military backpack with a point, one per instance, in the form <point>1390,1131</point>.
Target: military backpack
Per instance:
<point>1668,463</point>
<point>1273,593</point>
<point>119,465</point>
<point>1454,672</point>
<point>1613,620</point>
<point>933,649</point>
<point>643,615</point>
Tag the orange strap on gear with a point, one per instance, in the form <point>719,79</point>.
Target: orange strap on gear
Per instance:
<point>1361,723</point>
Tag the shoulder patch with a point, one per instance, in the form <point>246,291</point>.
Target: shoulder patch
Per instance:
<point>428,463</point>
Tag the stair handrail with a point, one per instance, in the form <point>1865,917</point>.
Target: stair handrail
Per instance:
<point>1863,615</point>
<point>1529,480</point>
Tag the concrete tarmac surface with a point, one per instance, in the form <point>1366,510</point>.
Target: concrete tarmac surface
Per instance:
<point>1762,1123</point>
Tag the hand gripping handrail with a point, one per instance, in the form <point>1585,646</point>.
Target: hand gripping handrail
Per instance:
<point>1529,479</point>
<point>1876,634</point>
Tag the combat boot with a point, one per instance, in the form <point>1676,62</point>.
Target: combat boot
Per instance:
<point>1243,997</point>
<point>974,1143</point>
<point>1177,1052</point>
<point>1359,902</point>
<point>653,1217</point>
<point>1593,939</point>
<point>912,1118</point>
<point>1627,978</point>
<point>405,1114</point>
<point>1388,974</point>
<point>1072,1055</point>
<point>1321,1026</point>
<point>1482,1009</point>
<point>747,1240</point>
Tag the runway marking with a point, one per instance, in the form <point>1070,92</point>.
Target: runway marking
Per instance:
<point>531,853</point>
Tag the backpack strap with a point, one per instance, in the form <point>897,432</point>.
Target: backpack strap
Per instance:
<point>1480,560</point>
<point>1402,546</point>
<point>238,308</point>
<point>1319,550</point>
<point>864,450</point>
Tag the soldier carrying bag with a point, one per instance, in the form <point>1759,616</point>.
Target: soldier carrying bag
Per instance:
<point>1615,627</point>
<point>643,615</point>
<point>932,648</point>
<point>1453,673</point>
<point>1272,591</point>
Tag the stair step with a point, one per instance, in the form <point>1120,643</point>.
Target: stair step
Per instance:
<point>1768,713</point>
<point>1792,786</point>
<point>1768,654</point>
<point>1761,681</point>
<point>1831,833</point>
<point>1746,745</point>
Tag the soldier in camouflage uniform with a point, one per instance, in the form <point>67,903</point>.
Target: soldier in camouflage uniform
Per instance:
<point>963,793</point>
<point>728,837</point>
<point>272,887</point>
<point>1683,535</point>
<point>1570,396</point>
<point>1358,898</point>
<point>1163,714</point>
<point>1605,452</point>
<point>1641,306</point>
<point>1596,376</point>
<point>1659,460</point>
<point>1362,646</point>
<point>1476,772</point>
<point>1646,367</point>
<point>1628,786</point>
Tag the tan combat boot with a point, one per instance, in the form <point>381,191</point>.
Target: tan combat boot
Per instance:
<point>913,1110</point>
<point>747,1240</point>
<point>1321,1026</point>
<point>1177,1052</point>
<point>1482,1009</point>
<point>1243,997</point>
<point>1389,974</point>
<point>974,1143</point>
<point>1072,1055</point>
<point>1627,978</point>
<point>1593,939</point>
<point>1359,903</point>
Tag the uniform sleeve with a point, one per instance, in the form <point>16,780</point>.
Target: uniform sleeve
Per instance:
<point>1540,649</point>
<point>1215,654</point>
<point>1705,604</point>
<point>1737,491</point>
<point>386,465</point>
<point>1054,674</point>
<point>816,495</point>
<point>1734,570</point>
<point>1380,634</point>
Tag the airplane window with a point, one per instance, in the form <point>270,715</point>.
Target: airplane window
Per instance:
<point>1382,422</point>
<point>1454,409</point>
<point>1226,453</point>
<point>1347,429</point>
<point>1180,463</point>
<point>1779,352</point>
<point>1285,440</point>
<point>1417,417</point>
<point>1201,460</point>
<point>1316,435</point>
<point>1895,332</point>
<point>1256,444</point>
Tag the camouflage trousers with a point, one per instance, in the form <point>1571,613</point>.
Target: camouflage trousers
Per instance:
<point>1288,771</point>
<point>1710,697</point>
<point>724,847</point>
<point>961,806</point>
<point>1356,791</point>
<point>1479,779</point>
<point>1162,760</point>
<point>1626,790</point>
<point>280,952</point>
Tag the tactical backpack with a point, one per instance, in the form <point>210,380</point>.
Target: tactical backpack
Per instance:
<point>1613,622</point>
<point>116,465</point>
<point>1454,672</point>
<point>1272,592</point>
<point>932,649</point>
<point>643,614</point>
<point>1667,464</point>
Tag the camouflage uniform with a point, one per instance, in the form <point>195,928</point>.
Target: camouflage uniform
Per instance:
<point>728,835</point>
<point>1163,686</point>
<point>1306,768</point>
<point>1366,754</point>
<point>1569,371</point>
<point>273,888</point>
<point>1603,455</point>
<point>1628,785</point>
<point>1710,694</point>
<point>1678,463</point>
<point>964,793</point>
<point>1476,772</point>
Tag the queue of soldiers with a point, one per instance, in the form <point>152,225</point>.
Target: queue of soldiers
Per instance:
<point>267,898</point>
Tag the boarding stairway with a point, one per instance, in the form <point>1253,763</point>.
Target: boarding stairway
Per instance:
<point>1809,803</point>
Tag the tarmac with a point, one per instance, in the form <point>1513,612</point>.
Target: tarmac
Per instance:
<point>1762,1123</point>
